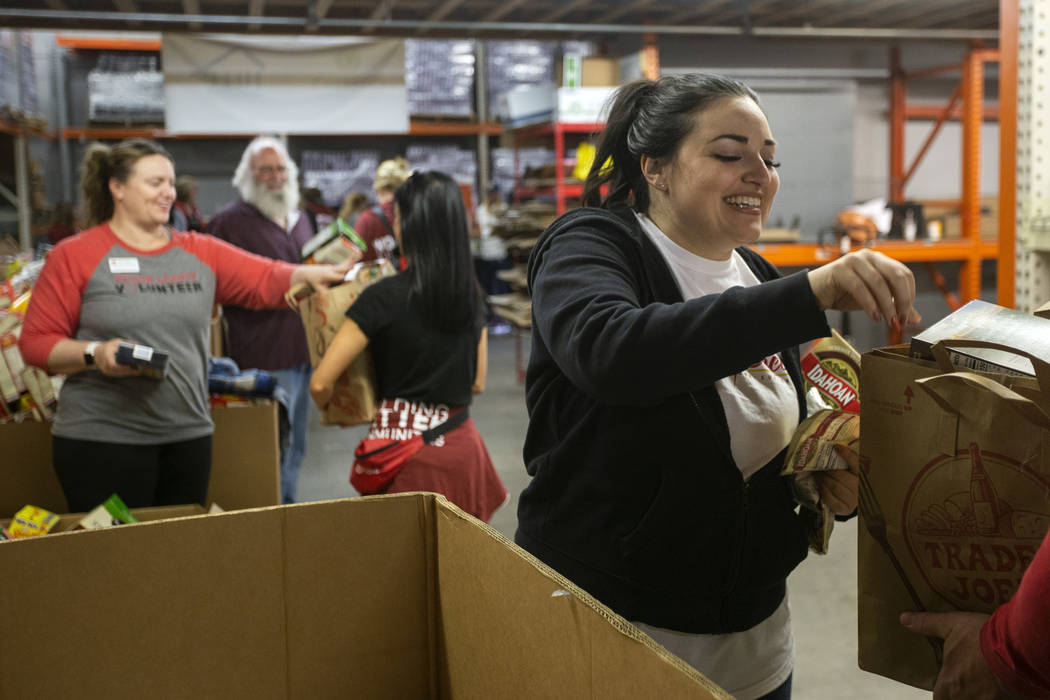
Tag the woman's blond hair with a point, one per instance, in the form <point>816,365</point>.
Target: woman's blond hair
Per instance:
<point>391,174</point>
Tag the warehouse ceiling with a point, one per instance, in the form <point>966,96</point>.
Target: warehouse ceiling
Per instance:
<point>860,19</point>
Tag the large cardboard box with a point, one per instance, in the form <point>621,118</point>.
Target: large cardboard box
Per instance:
<point>384,597</point>
<point>245,472</point>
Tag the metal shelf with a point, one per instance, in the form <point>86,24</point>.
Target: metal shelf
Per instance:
<point>561,191</point>
<point>416,128</point>
<point>567,191</point>
<point>107,43</point>
<point>18,130</point>
<point>811,254</point>
<point>550,128</point>
<point>967,105</point>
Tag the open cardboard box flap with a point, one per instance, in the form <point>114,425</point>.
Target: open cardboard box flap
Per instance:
<point>384,597</point>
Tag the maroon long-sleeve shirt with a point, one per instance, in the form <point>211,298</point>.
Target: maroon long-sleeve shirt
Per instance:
<point>272,339</point>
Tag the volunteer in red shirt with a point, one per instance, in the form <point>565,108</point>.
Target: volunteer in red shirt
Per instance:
<point>376,225</point>
<point>131,277</point>
<point>1006,655</point>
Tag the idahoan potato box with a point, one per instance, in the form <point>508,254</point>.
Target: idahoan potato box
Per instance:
<point>384,597</point>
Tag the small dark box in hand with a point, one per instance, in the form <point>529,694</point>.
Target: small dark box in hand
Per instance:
<point>150,361</point>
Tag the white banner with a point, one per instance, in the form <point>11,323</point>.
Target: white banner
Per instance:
<point>223,84</point>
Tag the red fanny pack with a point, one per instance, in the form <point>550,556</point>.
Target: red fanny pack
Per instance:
<point>377,462</point>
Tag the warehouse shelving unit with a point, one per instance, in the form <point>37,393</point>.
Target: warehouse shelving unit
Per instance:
<point>966,105</point>
<point>19,197</point>
<point>416,128</point>
<point>812,254</point>
<point>561,191</point>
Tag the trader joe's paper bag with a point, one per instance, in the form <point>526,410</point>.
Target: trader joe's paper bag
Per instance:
<point>954,502</point>
<point>354,398</point>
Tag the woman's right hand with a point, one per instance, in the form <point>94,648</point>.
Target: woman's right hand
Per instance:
<point>321,394</point>
<point>106,360</point>
<point>870,281</point>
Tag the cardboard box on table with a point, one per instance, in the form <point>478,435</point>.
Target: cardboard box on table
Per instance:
<point>384,597</point>
<point>957,466</point>
<point>245,469</point>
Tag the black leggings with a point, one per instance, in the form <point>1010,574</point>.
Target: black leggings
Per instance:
<point>175,473</point>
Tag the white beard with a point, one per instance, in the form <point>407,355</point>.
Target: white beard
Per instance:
<point>273,205</point>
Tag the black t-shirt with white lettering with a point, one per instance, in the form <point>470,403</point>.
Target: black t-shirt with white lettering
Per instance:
<point>414,360</point>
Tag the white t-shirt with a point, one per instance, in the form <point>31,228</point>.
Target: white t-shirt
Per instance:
<point>747,664</point>
<point>488,246</point>
<point>761,408</point>
<point>760,403</point>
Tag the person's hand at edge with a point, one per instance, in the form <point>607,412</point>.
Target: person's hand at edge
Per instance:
<point>869,281</point>
<point>106,360</point>
<point>964,675</point>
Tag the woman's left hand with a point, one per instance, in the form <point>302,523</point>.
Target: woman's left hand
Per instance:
<point>320,276</point>
<point>839,488</point>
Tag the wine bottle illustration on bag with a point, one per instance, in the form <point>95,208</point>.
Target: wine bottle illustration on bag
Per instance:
<point>987,510</point>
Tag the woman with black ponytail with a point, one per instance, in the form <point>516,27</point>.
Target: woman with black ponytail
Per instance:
<point>664,381</point>
<point>426,328</point>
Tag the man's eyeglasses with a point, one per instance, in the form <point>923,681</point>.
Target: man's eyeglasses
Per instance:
<point>269,170</point>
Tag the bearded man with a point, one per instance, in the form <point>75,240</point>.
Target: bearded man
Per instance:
<point>267,220</point>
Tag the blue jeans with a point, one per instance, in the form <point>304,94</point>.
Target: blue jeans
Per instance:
<point>296,382</point>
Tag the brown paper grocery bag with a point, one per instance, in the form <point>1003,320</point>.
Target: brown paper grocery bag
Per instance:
<point>955,500</point>
<point>354,398</point>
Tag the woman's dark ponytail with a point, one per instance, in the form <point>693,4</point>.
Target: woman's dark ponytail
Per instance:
<point>623,172</point>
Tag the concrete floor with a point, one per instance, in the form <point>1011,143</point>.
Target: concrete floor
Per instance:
<point>823,590</point>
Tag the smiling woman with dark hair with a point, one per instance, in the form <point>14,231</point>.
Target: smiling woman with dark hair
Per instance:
<point>426,329</point>
<point>664,383</point>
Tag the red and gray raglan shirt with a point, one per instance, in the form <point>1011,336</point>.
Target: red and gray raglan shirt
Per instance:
<point>96,287</point>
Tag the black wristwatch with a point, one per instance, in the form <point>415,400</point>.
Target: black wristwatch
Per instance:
<point>89,353</point>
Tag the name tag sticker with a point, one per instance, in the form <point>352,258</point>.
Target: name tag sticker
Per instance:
<point>117,265</point>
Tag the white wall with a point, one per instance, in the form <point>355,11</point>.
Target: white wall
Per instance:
<point>939,174</point>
